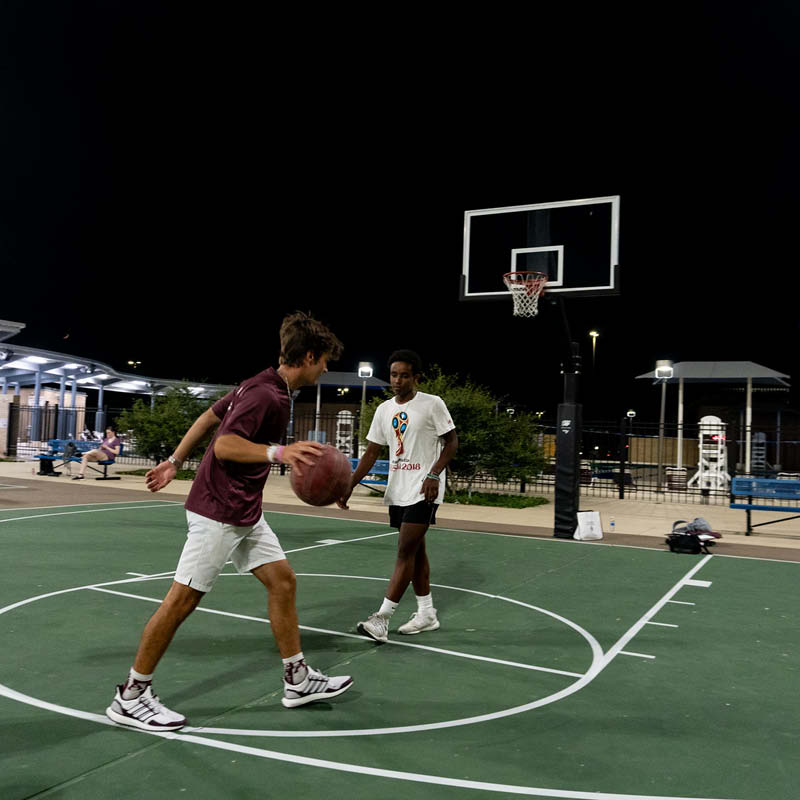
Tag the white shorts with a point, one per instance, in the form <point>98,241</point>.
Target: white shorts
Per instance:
<point>211,544</point>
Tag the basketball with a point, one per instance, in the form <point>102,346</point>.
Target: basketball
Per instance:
<point>324,481</point>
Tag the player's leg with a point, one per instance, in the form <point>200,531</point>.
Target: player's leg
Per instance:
<point>261,553</point>
<point>134,703</point>
<point>424,618</point>
<point>412,523</point>
<point>207,548</point>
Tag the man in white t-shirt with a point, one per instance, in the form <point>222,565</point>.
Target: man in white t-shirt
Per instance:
<point>422,440</point>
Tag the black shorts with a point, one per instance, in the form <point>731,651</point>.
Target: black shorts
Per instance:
<point>423,513</point>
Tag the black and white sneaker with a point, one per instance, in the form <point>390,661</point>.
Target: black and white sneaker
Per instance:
<point>146,712</point>
<point>316,686</point>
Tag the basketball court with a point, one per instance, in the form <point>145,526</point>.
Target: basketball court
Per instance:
<point>561,670</point>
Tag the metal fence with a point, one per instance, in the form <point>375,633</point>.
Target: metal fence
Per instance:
<point>625,459</point>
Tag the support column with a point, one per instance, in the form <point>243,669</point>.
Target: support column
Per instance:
<point>680,423</point>
<point>36,427</point>
<point>100,419</point>
<point>748,425</point>
<point>62,417</point>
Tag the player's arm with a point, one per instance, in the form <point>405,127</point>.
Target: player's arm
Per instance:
<point>158,477</point>
<point>231,447</point>
<point>430,486</point>
<point>366,463</point>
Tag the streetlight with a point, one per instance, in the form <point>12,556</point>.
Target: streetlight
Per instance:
<point>594,335</point>
<point>664,372</point>
<point>364,372</point>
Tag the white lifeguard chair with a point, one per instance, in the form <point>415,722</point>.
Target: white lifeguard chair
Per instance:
<point>712,460</point>
<point>345,430</point>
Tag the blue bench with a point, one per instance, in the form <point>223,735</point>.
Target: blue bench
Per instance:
<point>765,489</point>
<point>57,454</point>
<point>380,467</point>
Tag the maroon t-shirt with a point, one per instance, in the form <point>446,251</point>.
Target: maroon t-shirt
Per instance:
<point>227,491</point>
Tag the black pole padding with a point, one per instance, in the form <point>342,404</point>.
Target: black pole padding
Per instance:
<point>568,462</point>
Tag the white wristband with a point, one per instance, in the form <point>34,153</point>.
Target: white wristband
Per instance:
<point>271,450</point>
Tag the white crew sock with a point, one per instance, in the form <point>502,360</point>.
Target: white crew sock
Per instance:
<point>425,603</point>
<point>387,608</point>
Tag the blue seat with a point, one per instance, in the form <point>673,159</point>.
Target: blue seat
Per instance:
<point>56,453</point>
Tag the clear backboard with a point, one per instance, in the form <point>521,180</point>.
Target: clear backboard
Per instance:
<point>574,242</point>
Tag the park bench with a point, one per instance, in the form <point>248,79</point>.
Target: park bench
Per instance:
<point>762,490</point>
<point>48,467</point>
<point>373,478</point>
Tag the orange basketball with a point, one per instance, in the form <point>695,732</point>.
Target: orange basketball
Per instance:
<point>324,481</point>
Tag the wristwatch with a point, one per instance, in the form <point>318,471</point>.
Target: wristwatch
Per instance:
<point>173,460</point>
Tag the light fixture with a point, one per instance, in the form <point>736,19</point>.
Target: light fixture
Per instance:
<point>364,369</point>
<point>664,369</point>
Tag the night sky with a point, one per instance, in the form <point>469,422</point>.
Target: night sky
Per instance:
<point>177,177</point>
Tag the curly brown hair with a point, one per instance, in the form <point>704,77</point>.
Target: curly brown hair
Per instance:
<point>300,334</point>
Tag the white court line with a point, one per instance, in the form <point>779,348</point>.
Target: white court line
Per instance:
<point>84,505</point>
<point>12,486</point>
<point>358,636</point>
<point>702,584</point>
<point>638,655</point>
<point>681,602</point>
<point>662,624</point>
<point>89,511</point>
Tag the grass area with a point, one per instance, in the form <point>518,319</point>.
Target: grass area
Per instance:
<point>492,499</point>
<point>182,474</point>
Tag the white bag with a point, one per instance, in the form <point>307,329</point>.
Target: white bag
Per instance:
<point>589,526</point>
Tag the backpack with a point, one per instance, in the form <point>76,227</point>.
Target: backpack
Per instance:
<point>693,537</point>
<point>70,450</point>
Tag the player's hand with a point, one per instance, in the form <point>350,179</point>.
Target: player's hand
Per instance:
<point>430,488</point>
<point>342,501</point>
<point>299,453</point>
<point>158,477</point>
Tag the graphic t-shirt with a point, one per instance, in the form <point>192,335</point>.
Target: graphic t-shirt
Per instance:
<point>227,491</point>
<point>412,431</point>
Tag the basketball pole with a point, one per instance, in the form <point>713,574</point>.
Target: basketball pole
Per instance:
<point>568,439</point>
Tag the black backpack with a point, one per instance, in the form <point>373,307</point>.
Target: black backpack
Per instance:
<point>70,450</point>
<point>682,540</point>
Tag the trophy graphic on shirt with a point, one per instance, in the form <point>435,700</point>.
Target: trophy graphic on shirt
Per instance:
<point>400,426</point>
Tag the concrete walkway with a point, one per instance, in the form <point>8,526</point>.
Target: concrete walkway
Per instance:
<point>636,523</point>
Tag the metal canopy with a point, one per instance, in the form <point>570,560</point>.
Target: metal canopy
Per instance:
<point>722,372</point>
<point>746,372</point>
<point>20,366</point>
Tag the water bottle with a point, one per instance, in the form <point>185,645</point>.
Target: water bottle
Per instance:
<point>611,524</point>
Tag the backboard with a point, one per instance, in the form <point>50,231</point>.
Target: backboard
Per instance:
<point>575,242</point>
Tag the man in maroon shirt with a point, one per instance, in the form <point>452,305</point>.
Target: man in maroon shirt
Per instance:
<point>225,520</point>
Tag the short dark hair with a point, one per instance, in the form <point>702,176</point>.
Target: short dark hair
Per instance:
<point>110,427</point>
<point>300,334</point>
<point>408,357</point>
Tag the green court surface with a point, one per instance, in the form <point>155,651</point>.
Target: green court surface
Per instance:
<point>561,670</point>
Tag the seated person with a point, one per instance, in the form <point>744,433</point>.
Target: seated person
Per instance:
<point>107,451</point>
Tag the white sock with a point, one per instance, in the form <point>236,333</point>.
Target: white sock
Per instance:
<point>387,608</point>
<point>295,669</point>
<point>135,685</point>
<point>425,603</point>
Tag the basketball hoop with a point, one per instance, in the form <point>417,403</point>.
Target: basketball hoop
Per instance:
<point>525,288</point>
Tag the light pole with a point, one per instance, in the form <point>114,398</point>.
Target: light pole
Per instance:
<point>663,373</point>
<point>364,372</point>
<point>594,335</point>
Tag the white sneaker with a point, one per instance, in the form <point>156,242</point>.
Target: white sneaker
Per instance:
<point>316,686</point>
<point>376,627</point>
<point>145,711</point>
<point>420,621</point>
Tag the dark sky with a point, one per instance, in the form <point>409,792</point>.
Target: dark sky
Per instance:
<point>176,177</point>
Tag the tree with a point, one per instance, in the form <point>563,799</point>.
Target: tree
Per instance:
<point>505,447</point>
<point>157,432</point>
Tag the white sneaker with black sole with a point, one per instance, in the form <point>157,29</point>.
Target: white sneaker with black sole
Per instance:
<point>376,627</point>
<point>145,712</point>
<point>315,687</point>
<point>420,622</point>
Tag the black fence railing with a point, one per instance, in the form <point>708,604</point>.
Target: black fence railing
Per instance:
<point>627,459</point>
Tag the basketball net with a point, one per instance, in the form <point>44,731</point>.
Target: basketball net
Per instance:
<point>526,288</point>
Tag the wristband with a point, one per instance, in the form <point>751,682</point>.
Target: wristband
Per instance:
<point>433,476</point>
<point>275,454</point>
<point>175,462</point>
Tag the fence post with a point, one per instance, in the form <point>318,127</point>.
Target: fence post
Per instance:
<point>623,457</point>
